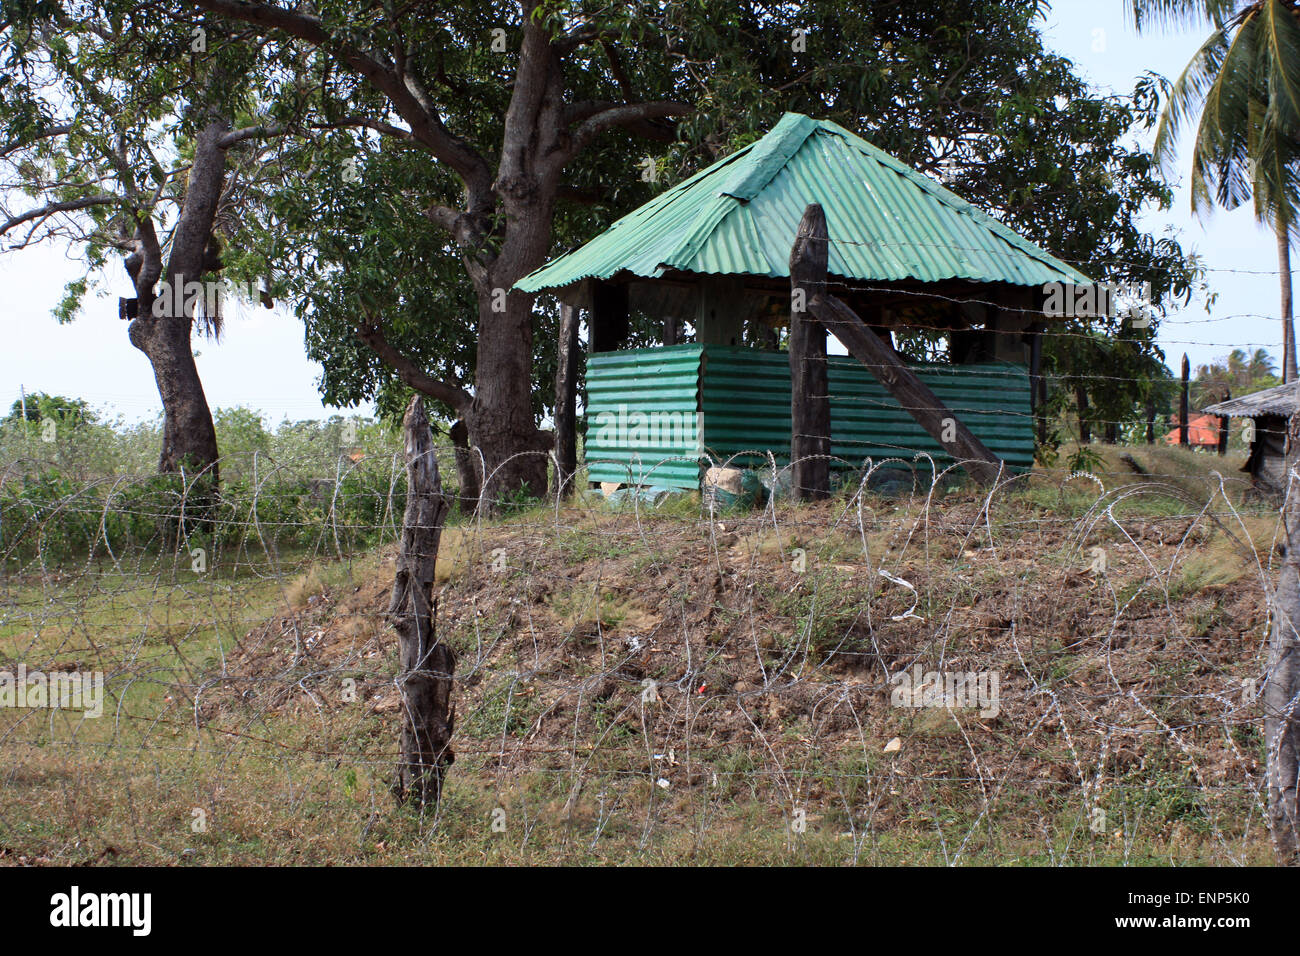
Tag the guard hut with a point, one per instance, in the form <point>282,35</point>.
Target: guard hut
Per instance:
<point>1268,412</point>
<point>711,258</point>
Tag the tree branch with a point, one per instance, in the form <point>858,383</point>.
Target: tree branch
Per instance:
<point>48,133</point>
<point>631,115</point>
<point>371,332</point>
<point>405,95</point>
<point>49,209</point>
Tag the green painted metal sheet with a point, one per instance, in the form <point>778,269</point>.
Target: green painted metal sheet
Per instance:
<point>642,416</point>
<point>745,396</point>
<point>641,406</point>
<point>887,222</point>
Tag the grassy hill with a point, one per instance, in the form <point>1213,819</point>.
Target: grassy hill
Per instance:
<point>667,685</point>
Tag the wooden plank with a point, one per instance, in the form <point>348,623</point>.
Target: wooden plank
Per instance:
<point>566,402</point>
<point>1183,410</point>
<point>913,395</point>
<point>1037,405</point>
<point>810,403</point>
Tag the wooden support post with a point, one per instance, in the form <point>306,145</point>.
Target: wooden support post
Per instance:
<point>1223,425</point>
<point>427,664</point>
<point>609,320</point>
<point>1042,405</point>
<point>1281,693</point>
<point>672,330</point>
<point>1151,421</point>
<point>566,402</point>
<point>1183,403</point>
<point>1037,383</point>
<point>1085,423</point>
<point>810,404</point>
<point>913,394</point>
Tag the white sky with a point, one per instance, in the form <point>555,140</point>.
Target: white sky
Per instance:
<point>261,362</point>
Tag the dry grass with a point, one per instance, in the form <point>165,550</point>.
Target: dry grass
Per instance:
<point>770,693</point>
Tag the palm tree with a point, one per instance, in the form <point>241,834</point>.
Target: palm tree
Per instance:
<point>1245,80</point>
<point>1238,373</point>
<point>1261,365</point>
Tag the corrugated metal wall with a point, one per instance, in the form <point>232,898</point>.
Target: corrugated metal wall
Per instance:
<point>642,417</point>
<point>744,395</point>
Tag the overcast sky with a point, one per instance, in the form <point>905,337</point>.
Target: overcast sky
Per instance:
<point>261,362</point>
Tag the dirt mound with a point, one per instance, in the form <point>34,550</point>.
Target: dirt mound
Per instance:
<point>762,652</point>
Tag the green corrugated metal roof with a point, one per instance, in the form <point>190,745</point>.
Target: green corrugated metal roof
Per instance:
<point>887,222</point>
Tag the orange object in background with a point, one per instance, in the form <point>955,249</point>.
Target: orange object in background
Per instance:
<point>1202,432</point>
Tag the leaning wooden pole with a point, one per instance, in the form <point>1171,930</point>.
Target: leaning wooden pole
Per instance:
<point>808,273</point>
<point>810,402</point>
<point>913,395</point>
<point>427,665</point>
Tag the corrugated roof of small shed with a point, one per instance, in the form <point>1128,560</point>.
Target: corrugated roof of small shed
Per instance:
<point>887,222</point>
<point>1278,400</point>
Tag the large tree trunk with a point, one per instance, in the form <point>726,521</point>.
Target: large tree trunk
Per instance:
<point>164,321</point>
<point>1288,321</point>
<point>428,666</point>
<point>1282,692</point>
<point>501,422</point>
<point>189,438</point>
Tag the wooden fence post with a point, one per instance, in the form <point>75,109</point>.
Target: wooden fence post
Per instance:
<point>1282,692</point>
<point>810,403</point>
<point>1223,427</point>
<point>427,665</point>
<point>566,402</point>
<point>1037,396</point>
<point>1183,410</point>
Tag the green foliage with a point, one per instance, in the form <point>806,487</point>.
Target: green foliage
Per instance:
<point>1085,458</point>
<point>1234,375</point>
<point>39,407</point>
<point>962,90</point>
<point>90,491</point>
<point>51,519</point>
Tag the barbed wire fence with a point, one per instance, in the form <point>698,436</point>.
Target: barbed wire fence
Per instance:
<point>1063,668</point>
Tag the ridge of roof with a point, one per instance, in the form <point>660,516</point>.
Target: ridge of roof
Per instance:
<point>769,156</point>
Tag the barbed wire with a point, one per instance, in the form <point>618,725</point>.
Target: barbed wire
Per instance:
<point>635,674</point>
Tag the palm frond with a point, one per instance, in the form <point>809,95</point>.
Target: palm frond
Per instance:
<point>1172,13</point>
<point>1281,33</point>
<point>1188,93</point>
